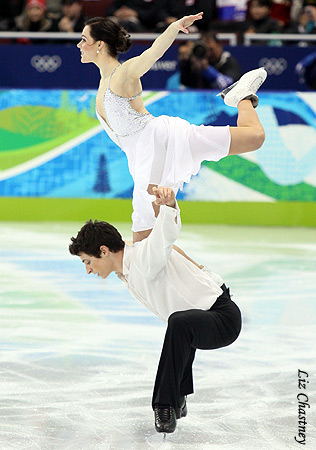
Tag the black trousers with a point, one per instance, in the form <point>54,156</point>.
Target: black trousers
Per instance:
<point>187,331</point>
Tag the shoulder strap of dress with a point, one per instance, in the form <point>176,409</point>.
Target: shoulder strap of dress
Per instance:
<point>112,74</point>
<point>135,96</point>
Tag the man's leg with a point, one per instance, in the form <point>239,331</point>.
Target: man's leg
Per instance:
<point>174,357</point>
<point>187,331</point>
<point>174,376</point>
<point>186,386</point>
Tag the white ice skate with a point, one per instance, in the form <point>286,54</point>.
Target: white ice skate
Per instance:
<point>245,88</point>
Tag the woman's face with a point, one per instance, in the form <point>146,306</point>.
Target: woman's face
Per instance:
<point>88,47</point>
<point>35,14</point>
<point>257,11</point>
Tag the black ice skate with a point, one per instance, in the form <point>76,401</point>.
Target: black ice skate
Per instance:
<point>165,419</point>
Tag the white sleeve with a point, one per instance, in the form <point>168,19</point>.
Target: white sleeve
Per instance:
<point>153,252</point>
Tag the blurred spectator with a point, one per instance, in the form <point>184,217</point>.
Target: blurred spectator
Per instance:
<point>306,23</point>
<point>259,21</point>
<point>303,22</point>
<point>296,8</point>
<point>307,19</point>
<point>34,18</point>
<point>306,70</point>
<point>205,65</point>
<point>230,16</point>
<point>137,15</point>
<point>286,12</point>
<point>281,11</point>
<point>259,18</point>
<point>53,9</point>
<point>72,19</point>
<point>9,10</point>
<point>175,9</point>
<point>96,8</point>
<point>231,10</point>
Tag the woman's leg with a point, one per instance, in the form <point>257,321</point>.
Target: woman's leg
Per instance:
<point>179,250</point>
<point>140,235</point>
<point>150,191</point>
<point>249,134</point>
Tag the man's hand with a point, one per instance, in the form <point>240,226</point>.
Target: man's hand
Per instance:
<point>164,196</point>
<point>125,13</point>
<point>65,25</point>
<point>170,20</point>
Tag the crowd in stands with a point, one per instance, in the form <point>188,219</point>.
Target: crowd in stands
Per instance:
<point>237,16</point>
<point>202,64</point>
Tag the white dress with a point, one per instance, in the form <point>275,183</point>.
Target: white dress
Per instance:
<point>162,150</point>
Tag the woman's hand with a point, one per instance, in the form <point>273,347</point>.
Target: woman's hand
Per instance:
<point>164,196</point>
<point>186,22</point>
<point>137,67</point>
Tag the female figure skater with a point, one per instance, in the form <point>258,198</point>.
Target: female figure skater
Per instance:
<point>161,150</point>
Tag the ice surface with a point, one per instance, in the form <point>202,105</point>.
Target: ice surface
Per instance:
<point>79,354</point>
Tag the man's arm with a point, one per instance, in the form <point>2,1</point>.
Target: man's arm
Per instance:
<point>153,252</point>
<point>138,66</point>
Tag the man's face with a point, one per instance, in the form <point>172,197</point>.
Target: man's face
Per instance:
<point>72,10</point>
<point>214,50</point>
<point>102,266</point>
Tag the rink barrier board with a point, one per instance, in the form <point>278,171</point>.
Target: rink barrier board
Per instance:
<point>296,214</point>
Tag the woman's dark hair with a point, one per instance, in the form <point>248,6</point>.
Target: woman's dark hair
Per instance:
<point>94,234</point>
<point>267,3</point>
<point>108,31</point>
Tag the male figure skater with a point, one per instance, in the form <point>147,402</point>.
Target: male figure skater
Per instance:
<point>194,301</point>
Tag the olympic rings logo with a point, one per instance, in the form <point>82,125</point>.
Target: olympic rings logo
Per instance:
<point>274,66</point>
<point>46,63</point>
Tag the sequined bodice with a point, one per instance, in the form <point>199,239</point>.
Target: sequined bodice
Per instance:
<point>122,119</point>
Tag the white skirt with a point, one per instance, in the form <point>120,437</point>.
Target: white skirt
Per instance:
<point>167,152</point>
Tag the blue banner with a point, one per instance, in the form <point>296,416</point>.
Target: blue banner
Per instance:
<point>59,66</point>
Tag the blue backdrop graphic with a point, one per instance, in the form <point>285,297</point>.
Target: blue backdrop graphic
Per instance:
<point>93,166</point>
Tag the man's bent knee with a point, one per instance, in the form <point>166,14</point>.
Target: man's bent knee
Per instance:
<point>177,319</point>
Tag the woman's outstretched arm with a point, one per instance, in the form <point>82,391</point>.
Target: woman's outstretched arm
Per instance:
<point>138,66</point>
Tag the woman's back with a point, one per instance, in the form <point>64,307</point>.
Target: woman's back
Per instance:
<point>124,116</point>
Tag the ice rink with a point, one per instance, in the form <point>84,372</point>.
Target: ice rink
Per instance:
<point>79,354</point>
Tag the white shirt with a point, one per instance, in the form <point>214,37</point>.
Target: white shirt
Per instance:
<point>161,278</point>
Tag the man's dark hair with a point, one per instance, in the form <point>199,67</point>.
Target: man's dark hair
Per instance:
<point>267,3</point>
<point>210,35</point>
<point>94,234</point>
